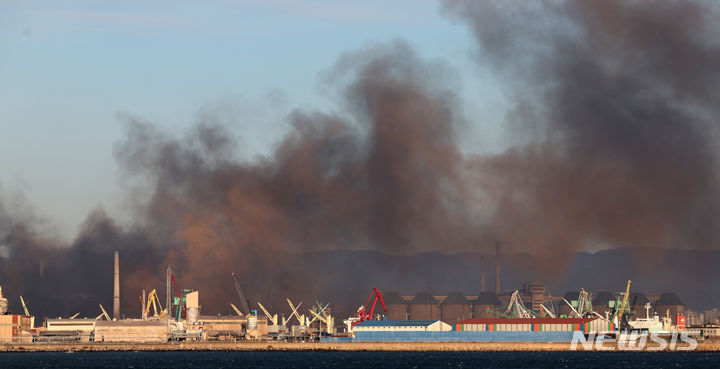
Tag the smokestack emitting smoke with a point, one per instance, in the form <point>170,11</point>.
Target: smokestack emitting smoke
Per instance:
<point>498,286</point>
<point>116,289</point>
<point>612,108</point>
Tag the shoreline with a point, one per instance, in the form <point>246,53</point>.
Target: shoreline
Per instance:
<point>325,346</point>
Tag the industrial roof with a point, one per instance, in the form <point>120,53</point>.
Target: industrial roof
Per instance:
<point>487,298</point>
<point>602,298</point>
<point>526,321</point>
<point>393,298</point>
<point>456,298</point>
<point>637,298</point>
<point>423,298</point>
<point>395,323</point>
<point>669,298</point>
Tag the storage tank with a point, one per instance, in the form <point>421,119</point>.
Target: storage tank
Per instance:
<point>601,302</point>
<point>396,305</point>
<point>636,303</point>
<point>424,307</point>
<point>485,301</point>
<point>455,308</point>
<point>669,301</point>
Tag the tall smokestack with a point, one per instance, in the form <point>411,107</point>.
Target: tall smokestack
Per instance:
<point>116,290</point>
<point>498,288</point>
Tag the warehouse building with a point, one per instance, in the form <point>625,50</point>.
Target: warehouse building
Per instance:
<point>132,330</point>
<point>402,326</point>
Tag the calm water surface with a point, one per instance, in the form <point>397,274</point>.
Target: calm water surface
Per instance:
<point>176,360</point>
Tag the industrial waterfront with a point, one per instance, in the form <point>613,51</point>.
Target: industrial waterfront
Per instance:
<point>524,319</point>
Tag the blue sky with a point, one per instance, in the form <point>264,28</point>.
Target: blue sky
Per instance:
<point>69,71</point>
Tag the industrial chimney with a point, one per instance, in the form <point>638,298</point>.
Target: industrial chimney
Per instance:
<point>498,288</point>
<point>116,290</point>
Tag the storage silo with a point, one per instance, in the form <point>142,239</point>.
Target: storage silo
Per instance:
<point>455,308</point>
<point>669,301</point>
<point>424,307</point>
<point>396,305</point>
<point>601,302</point>
<point>636,303</point>
<point>485,302</point>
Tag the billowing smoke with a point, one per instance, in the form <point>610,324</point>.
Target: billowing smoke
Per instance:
<point>619,101</point>
<point>613,107</point>
<point>384,174</point>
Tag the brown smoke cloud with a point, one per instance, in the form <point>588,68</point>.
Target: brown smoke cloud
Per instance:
<point>620,97</point>
<point>614,100</point>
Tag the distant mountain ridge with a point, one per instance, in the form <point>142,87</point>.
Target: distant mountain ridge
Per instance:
<point>689,273</point>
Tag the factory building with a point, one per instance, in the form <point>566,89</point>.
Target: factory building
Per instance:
<point>455,307</point>
<point>669,302</point>
<point>402,326</point>
<point>68,330</point>
<point>424,307</point>
<point>226,327</point>
<point>16,328</point>
<point>132,330</point>
<point>534,295</point>
<point>485,302</point>
<point>398,308</point>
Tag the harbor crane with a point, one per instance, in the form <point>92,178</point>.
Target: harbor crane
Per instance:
<point>237,311</point>
<point>155,302</point>
<point>301,318</point>
<point>363,314</point>
<point>103,314</point>
<point>241,295</point>
<point>22,300</point>
<point>620,312</point>
<point>271,318</point>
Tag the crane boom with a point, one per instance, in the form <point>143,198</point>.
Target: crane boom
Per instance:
<point>236,309</point>
<point>104,313</point>
<point>624,302</point>
<point>241,295</point>
<point>272,318</point>
<point>24,306</point>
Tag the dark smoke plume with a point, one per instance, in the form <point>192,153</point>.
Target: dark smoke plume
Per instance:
<point>385,174</point>
<point>613,110</point>
<point>622,98</point>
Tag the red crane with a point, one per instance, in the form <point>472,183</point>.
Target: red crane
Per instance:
<point>362,313</point>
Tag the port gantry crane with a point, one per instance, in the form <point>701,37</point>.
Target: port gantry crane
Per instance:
<point>362,312</point>
<point>241,295</point>
<point>155,301</point>
<point>620,312</point>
